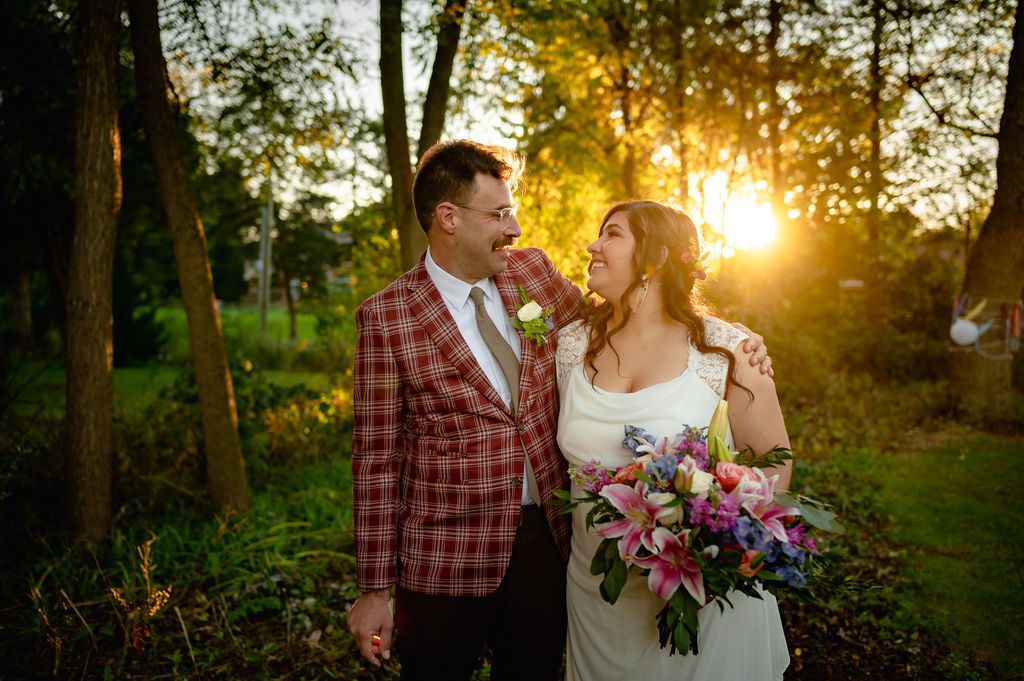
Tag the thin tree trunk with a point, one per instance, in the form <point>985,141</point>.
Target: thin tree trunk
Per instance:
<point>225,467</point>
<point>21,309</point>
<point>293,322</point>
<point>412,239</point>
<point>435,104</point>
<point>995,271</point>
<point>775,111</point>
<point>875,168</point>
<point>90,394</point>
<point>679,77</point>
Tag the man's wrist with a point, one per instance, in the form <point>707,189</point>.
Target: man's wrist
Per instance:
<point>384,593</point>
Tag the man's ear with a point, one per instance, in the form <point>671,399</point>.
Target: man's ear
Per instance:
<point>446,217</point>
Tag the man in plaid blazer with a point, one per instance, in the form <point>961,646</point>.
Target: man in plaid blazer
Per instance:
<point>441,460</point>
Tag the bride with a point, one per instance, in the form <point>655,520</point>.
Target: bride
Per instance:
<point>652,356</point>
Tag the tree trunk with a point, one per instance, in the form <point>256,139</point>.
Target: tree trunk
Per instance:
<point>995,271</point>
<point>775,112</point>
<point>225,467</point>
<point>875,168</point>
<point>680,77</point>
<point>89,304</point>
<point>411,236</point>
<point>293,322</point>
<point>21,309</point>
<point>435,104</point>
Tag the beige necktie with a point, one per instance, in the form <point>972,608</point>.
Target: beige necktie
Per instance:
<point>506,357</point>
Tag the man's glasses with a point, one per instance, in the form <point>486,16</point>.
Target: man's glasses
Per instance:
<point>503,215</point>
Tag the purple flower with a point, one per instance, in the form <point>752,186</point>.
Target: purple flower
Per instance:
<point>592,477</point>
<point>727,513</point>
<point>717,519</point>
<point>795,533</point>
<point>698,449</point>
<point>701,511</point>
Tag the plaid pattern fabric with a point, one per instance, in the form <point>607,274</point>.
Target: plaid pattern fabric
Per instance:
<point>437,458</point>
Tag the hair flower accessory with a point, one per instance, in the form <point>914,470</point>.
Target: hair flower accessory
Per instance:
<point>532,319</point>
<point>695,258</point>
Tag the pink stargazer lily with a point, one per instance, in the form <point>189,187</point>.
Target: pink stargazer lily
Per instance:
<point>673,566</point>
<point>756,495</point>
<point>641,518</point>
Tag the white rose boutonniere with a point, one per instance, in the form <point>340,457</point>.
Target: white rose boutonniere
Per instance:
<point>532,319</point>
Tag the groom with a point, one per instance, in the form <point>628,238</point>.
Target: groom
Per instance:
<point>454,458</point>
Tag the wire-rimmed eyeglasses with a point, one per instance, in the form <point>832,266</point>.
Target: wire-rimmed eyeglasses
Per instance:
<point>503,215</point>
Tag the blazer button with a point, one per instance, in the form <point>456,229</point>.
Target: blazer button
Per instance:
<point>521,425</point>
<point>517,481</point>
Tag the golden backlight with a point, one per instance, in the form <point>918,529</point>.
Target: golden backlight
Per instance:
<point>734,215</point>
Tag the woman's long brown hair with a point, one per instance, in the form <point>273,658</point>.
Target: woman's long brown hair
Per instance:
<point>657,226</point>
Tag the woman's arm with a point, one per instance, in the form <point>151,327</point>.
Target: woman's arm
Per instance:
<point>757,423</point>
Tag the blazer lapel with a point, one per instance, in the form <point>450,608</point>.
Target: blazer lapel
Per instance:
<point>426,304</point>
<point>509,289</point>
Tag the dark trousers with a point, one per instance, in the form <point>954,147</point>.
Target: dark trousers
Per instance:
<point>523,621</point>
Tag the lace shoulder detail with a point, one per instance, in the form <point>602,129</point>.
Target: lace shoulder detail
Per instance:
<point>572,345</point>
<point>710,367</point>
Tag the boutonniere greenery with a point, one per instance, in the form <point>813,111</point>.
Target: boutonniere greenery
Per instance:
<point>532,319</point>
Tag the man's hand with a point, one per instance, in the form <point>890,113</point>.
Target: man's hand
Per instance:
<point>755,344</point>
<point>371,622</point>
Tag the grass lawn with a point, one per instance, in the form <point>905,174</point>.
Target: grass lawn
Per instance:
<point>238,322</point>
<point>955,509</point>
<point>135,388</point>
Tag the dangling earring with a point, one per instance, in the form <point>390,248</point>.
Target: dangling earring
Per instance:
<point>640,294</point>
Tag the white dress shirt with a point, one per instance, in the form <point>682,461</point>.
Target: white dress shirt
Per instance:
<point>455,294</point>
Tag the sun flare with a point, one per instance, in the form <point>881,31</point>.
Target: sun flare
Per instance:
<point>736,217</point>
<point>749,224</point>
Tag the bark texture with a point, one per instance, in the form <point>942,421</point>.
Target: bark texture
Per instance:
<point>995,270</point>
<point>435,107</point>
<point>225,467</point>
<point>435,104</point>
<point>411,236</point>
<point>89,301</point>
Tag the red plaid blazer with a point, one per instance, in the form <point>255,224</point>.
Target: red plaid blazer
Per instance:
<point>437,458</point>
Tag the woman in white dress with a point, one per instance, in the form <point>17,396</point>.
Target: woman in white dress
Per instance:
<point>651,356</point>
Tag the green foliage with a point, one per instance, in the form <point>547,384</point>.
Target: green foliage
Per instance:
<point>258,596</point>
<point>138,334</point>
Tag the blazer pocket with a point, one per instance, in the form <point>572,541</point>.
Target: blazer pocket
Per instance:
<point>439,461</point>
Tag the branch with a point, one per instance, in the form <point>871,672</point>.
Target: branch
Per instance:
<point>914,83</point>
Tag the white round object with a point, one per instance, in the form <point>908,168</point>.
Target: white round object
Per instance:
<point>964,332</point>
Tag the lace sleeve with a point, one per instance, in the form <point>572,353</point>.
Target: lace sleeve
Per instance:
<point>572,345</point>
<point>712,368</point>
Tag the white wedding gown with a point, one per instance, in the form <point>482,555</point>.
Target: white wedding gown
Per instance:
<point>620,642</point>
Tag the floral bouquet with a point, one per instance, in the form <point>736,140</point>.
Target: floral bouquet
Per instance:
<point>699,521</point>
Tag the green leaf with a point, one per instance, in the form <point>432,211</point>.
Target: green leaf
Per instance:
<point>599,564</point>
<point>613,582</point>
<point>814,515</point>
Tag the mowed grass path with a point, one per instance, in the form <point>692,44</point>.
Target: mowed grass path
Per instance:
<point>957,508</point>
